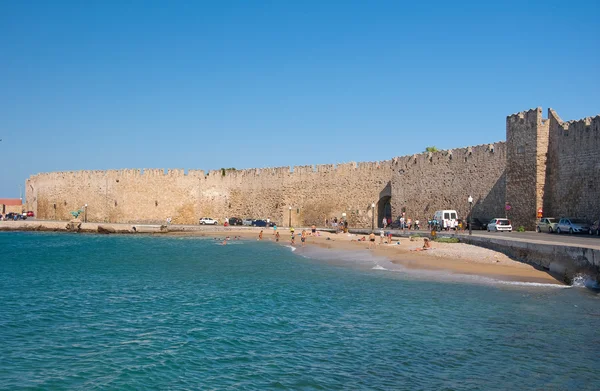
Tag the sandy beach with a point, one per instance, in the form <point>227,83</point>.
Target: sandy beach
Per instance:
<point>459,258</point>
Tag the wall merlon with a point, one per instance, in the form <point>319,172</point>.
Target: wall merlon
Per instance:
<point>531,115</point>
<point>176,172</point>
<point>325,168</point>
<point>345,167</point>
<point>196,173</point>
<point>303,170</point>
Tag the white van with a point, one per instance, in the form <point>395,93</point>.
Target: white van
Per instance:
<point>446,219</point>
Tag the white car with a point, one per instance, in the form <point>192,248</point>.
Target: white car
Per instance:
<point>572,226</point>
<point>208,220</point>
<point>499,224</point>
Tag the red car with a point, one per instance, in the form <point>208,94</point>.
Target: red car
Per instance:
<point>30,213</point>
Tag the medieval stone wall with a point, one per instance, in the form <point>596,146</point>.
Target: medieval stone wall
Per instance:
<point>573,170</point>
<point>544,163</point>
<point>428,182</point>
<point>314,193</point>
<point>527,146</point>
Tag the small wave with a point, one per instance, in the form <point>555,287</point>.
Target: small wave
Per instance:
<point>583,281</point>
<point>523,283</point>
<point>379,267</point>
<point>291,247</point>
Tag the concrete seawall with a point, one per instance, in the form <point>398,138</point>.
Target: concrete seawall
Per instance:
<point>566,261</point>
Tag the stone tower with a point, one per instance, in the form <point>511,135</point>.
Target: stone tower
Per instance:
<point>526,151</point>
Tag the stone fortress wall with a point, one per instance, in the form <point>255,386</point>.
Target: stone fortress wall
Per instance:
<point>499,174</point>
<point>573,168</point>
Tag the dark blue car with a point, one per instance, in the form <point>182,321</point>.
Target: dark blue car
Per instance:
<point>261,223</point>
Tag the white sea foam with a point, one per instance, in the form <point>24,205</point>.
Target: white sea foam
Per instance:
<point>291,247</point>
<point>379,267</point>
<point>583,281</point>
<point>531,284</point>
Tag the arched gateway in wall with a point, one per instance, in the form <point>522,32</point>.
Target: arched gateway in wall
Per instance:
<point>384,205</point>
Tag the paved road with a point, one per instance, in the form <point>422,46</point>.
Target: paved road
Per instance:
<point>579,240</point>
<point>584,240</point>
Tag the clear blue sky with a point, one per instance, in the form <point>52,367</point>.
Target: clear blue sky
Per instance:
<point>194,84</point>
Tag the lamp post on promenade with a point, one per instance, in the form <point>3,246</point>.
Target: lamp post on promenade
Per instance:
<point>290,217</point>
<point>373,216</point>
<point>470,200</point>
<point>85,213</point>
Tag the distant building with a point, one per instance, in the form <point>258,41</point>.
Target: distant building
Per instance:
<point>10,205</point>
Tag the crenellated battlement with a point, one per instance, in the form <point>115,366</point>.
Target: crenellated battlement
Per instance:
<point>531,116</point>
<point>284,171</point>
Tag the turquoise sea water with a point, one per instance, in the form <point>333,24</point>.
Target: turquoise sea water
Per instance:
<point>155,313</point>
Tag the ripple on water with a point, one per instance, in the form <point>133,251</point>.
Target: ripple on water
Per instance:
<point>118,312</point>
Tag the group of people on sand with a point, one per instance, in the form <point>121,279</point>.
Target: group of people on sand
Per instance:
<point>387,239</point>
<point>303,236</point>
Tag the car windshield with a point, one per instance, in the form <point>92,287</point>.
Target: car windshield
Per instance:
<point>577,221</point>
<point>551,220</point>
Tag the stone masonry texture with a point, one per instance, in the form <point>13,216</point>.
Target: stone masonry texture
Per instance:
<point>544,163</point>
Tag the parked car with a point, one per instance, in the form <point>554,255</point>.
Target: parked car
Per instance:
<point>208,221</point>
<point>262,223</point>
<point>259,223</point>
<point>595,228</point>
<point>547,224</point>
<point>395,224</point>
<point>235,221</point>
<point>572,225</point>
<point>499,224</point>
<point>15,216</point>
<point>478,224</point>
<point>247,222</point>
<point>30,213</point>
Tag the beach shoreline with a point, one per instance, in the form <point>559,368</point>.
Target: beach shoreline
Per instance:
<point>455,258</point>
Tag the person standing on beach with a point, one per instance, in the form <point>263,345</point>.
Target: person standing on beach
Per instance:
<point>293,238</point>
<point>372,240</point>
<point>313,229</point>
<point>260,235</point>
<point>381,236</point>
<point>303,237</point>
<point>384,222</point>
<point>277,236</point>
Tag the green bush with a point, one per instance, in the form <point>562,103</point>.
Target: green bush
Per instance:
<point>414,236</point>
<point>521,229</point>
<point>446,240</point>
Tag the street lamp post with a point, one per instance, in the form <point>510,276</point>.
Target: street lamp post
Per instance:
<point>373,216</point>
<point>290,217</point>
<point>85,213</point>
<point>470,199</point>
